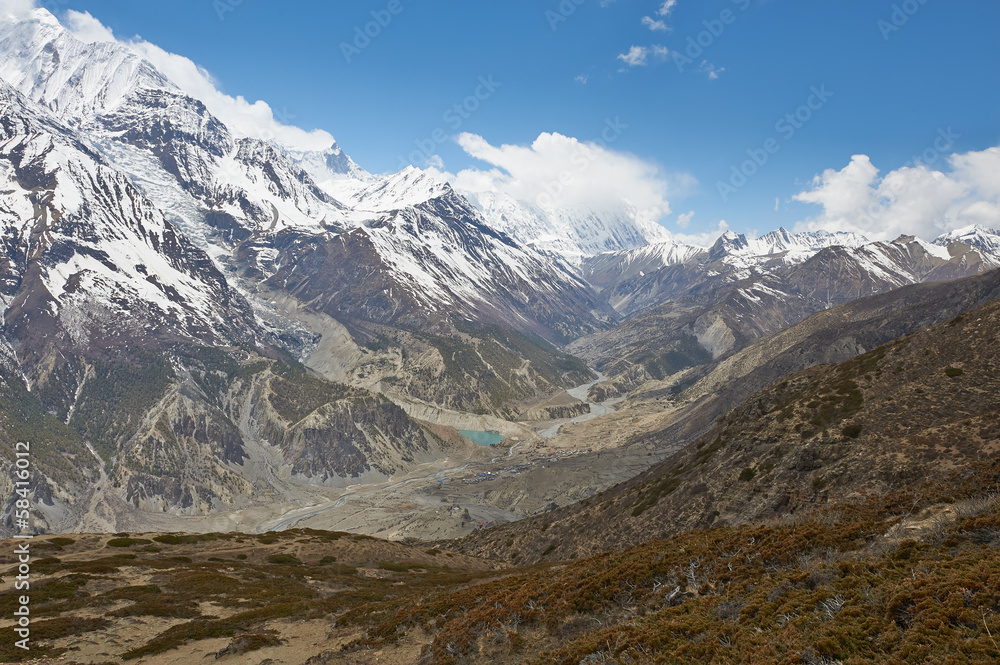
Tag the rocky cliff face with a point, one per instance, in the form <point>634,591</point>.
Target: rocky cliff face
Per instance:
<point>194,430</point>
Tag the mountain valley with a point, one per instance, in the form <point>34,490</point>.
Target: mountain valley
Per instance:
<point>281,409</point>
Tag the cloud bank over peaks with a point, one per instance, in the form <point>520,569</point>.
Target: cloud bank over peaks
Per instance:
<point>559,172</point>
<point>255,119</point>
<point>913,200</point>
<point>15,8</point>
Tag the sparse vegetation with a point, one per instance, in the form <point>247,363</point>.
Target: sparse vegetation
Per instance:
<point>127,542</point>
<point>295,394</point>
<point>839,586</point>
<point>114,401</point>
<point>852,431</point>
<point>284,560</point>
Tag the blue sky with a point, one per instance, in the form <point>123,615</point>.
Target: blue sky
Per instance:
<point>895,85</point>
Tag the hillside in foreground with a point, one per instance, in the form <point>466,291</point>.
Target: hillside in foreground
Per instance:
<point>912,577</point>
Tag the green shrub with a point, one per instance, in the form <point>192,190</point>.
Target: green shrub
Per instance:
<point>127,542</point>
<point>852,431</point>
<point>177,539</point>
<point>61,541</point>
<point>400,567</point>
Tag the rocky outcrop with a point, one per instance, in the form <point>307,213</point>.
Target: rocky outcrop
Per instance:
<point>557,412</point>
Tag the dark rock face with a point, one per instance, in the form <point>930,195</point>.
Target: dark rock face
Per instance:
<point>557,412</point>
<point>175,128</point>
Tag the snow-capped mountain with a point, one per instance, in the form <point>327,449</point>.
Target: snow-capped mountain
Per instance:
<point>782,240</point>
<point>146,246</point>
<point>87,256</point>
<point>222,189</point>
<point>409,187</point>
<point>571,234</point>
<point>780,245</point>
<point>977,237</point>
<point>612,268</point>
<point>429,262</point>
<point>687,314</point>
<point>332,164</point>
<point>76,81</point>
<point>185,159</point>
<point>733,249</point>
<point>638,279</point>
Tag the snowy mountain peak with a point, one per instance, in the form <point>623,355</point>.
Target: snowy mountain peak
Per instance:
<point>333,171</point>
<point>977,236</point>
<point>409,187</point>
<point>780,236</point>
<point>728,243</point>
<point>85,251</point>
<point>45,17</point>
<point>75,80</point>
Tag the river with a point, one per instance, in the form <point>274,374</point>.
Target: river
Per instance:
<point>580,393</point>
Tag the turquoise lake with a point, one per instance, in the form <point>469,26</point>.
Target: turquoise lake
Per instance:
<point>485,438</point>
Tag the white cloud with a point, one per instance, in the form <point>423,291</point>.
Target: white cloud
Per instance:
<point>582,79</point>
<point>559,172</point>
<point>250,119</point>
<point>710,70</point>
<point>666,7</point>
<point>636,56</point>
<point>684,220</point>
<point>979,169</point>
<point>653,24</point>
<point>916,200</point>
<point>706,239</point>
<point>15,8</point>
<point>86,28</point>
